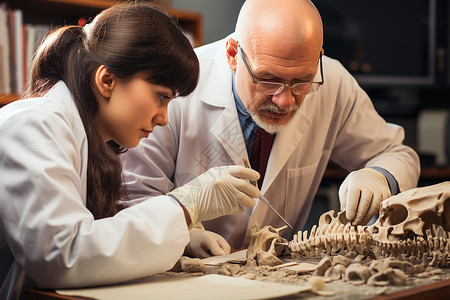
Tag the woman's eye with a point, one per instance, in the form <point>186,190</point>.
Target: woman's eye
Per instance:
<point>162,97</point>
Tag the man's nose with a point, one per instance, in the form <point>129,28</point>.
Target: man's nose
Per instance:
<point>285,99</point>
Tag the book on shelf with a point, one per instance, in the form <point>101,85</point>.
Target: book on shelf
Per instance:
<point>5,63</point>
<point>18,43</point>
<point>34,34</point>
<point>16,52</point>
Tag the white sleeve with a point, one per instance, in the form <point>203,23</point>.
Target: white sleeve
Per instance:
<point>47,226</point>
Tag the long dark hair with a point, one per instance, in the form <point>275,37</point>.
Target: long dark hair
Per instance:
<point>127,38</point>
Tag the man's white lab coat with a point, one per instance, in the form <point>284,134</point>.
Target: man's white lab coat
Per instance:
<point>47,235</point>
<point>337,123</point>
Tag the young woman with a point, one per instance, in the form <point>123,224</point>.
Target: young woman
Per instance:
<point>93,92</point>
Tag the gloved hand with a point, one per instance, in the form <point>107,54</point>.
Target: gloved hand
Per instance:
<point>361,194</point>
<point>217,192</point>
<point>205,243</point>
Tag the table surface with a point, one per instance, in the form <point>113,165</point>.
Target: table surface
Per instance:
<point>435,290</point>
<point>430,288</point>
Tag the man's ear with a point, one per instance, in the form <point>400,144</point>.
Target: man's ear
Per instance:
<point>104,81</point>
<point>231,50</point>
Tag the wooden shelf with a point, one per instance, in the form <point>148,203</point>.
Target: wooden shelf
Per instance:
<point>436,173</point>
<point>88,3</point>
<point>5,99</point>
<point>193,22</point>
<point>69,11</point>
<point>427,174</point>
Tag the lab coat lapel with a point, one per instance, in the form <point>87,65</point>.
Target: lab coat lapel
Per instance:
<point>228,132</point>
<point>227,129</point>
<point>284,144</point>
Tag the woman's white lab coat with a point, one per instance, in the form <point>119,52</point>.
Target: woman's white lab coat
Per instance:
<point>337,123</point>
<point>47,235</point>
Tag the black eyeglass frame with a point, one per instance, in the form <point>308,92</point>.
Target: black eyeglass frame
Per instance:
<point>282,85</point>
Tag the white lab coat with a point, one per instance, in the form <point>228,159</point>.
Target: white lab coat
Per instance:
<point>337,123</point>
<point>47,235</point>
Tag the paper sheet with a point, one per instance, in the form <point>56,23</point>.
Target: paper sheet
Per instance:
<point>210,286</point>
<point>302,267</point>
<point>221,259</point>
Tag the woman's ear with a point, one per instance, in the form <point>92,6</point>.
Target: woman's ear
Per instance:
<point>231,50</point>
<point>104,81</point>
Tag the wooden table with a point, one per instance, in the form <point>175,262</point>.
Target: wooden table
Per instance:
<point>433,291</point>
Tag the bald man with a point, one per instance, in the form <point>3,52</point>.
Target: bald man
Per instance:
<point>268,94</point>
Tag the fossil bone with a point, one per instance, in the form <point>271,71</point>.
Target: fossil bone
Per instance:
<point>412,225</point>
<point>192,265</point>
<point>341,260</point>
<point>335,272</point>
<point>323,266</point>
<point>265,246</point>
<point>357,274</point>
<point>331,239</point>
<point>388,276</point>
<point>329,218</point>
<point>410,246</point>
<point>413,212</point>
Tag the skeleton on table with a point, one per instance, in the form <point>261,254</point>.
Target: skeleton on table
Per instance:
<point>412,232</point>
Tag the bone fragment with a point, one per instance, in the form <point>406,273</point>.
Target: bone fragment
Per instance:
<point>335,272</point>
<point>229,269</point>
<point>357,274</point>
<point>316,285</point>
<point>341,260</point>
<point>192,265</point>
<point>265,246</point>
<point>324,264</point>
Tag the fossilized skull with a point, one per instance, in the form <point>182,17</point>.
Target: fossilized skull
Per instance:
<point>329,218</point>
<point>412,212</point>
<point>265,247</point>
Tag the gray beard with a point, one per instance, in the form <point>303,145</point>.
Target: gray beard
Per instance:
<point>270,106</point>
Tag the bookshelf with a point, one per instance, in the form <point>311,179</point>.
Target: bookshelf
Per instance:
<point>68,12</point>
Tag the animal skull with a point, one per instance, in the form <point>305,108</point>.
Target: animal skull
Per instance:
<point>265,246</point>
<point>412,212</point>
<point>329,218</point>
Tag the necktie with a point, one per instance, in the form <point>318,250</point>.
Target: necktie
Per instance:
<point>262,144</point>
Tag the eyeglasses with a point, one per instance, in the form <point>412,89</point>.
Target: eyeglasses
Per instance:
<point>274,88</point>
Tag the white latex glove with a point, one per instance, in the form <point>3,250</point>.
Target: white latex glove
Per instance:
<point>217,192</point>
<point>205,243</point>
<point>361,194</point>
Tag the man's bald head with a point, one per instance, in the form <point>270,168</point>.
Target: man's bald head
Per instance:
<point>280,42</point>
<point>290,23</point>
